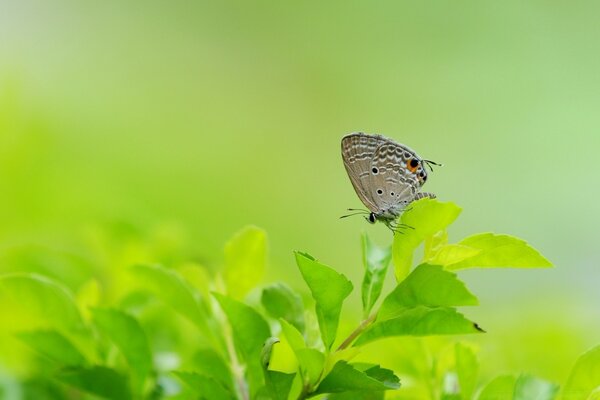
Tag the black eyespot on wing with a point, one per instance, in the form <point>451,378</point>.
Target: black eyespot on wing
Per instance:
<point>375,170</point>
<point>414,163</point>
<point>379,191</point>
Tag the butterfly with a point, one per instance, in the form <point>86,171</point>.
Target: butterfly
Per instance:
<point>387,176</point>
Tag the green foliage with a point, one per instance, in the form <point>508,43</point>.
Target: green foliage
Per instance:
<point>282,302</point>
<point>168,332</point>
<point>584,379</point>
<point>376,261</point>
<point>427,217</point>
<point>127,334</point>
<point>54,346</point>
<point>329,289</point>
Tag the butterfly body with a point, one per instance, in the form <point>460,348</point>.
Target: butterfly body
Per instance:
<point>386,175</point>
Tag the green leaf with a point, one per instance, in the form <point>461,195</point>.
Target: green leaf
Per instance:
<point>499,251</point>
<point>346,378</point>
<point>427,285</point>
<point>245,261</point>
<point>467,369</point>
<point>278,384</point>
<point>293,335</point>
<point>499,388</point>
<point>329,289</point>
<point>427,217</point>
<point>97,380</point>
<point>208,362</point>
<point>46,302</point>
<point>376,261</point>
<point>205,386</point>
<point>584,377</point>
<point>311,363</point>
<point>529,387</point>
<point>281,301</point>
<point>54,346</point>
<point>250,332</point>
<point>420,321</point>
<point>127,334</point>
<point>173,290</point>
<point>452,254</point>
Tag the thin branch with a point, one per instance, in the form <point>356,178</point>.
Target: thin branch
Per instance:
<point>355,333</point>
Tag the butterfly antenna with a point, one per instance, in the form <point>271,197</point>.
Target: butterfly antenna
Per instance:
<point>430,163</point>
<point>353,214</point>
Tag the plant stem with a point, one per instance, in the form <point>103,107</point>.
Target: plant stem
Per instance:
<point>237,368</point>
<point>363,325</point>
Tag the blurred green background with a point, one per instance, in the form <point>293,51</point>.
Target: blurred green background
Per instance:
<point>179,122</point>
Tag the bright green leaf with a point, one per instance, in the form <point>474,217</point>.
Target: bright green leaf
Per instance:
<point>376,261</point>
<point>97,380</point>
<point>427,217</point>
<point>172,289</point>
<point>127,334</point>
<point>245,260</point>
<point>499,251</point>
<point>346,378</point>
<point>584,377</point>
<point>205,386</point>
<point>281,301</point>
<point>427,285</point>
<point>531,388</point>
<point>54,346</point>
<point>329,289</point>
<point>434,242</point>
<point>467,369</point>
<point>420,321</point>
<point>250,332</point>
<point>451,254</point>
<point>46,302</point>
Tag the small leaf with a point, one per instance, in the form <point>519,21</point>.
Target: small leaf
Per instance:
<point>172,289</point>
<point>329,289</point>
<point>250,332</point>
<point>54,346</point>
<point>499,251</point>
<point>127,334</point>
<point>345,378</point>
<point>427,217</point>
<point>467,369</point>
<point>97,380</point>
<point>584,377</point>
<point>245,261</point>
<point>529,387</point>
<point>420,321</point>
<point>501,387</point>
<point>281,301</point>
<point>205,386</point>
<point>427,285</point>
<point>46,302</point>
<point>376,261</point>
<point>278,384</point>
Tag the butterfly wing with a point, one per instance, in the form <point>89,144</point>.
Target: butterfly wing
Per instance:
<point>358,150</point>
